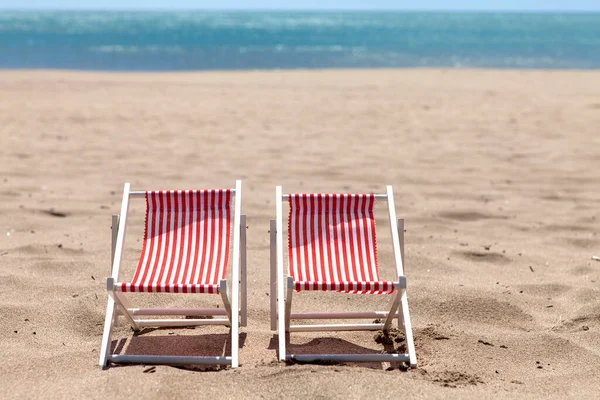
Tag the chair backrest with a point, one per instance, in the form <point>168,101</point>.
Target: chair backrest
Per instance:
<point>186,238</point>
<point>332,241</point>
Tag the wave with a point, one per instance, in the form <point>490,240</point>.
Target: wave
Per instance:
<point>137,49</point>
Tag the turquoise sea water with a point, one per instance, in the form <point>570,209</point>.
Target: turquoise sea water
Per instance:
<point>161,41</point>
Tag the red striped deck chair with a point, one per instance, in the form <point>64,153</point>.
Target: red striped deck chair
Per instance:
<point>187,240</point>
<point>332,247</point>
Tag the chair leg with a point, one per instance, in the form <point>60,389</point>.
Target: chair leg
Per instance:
<point>225,297</point>
<point>410,344</point>
<point>392,312</point>
<point>281,322</point>
<point>288,303</point>
<point>125,305</point>
<point>235,350</point>
<point>106,335</point>
<point>235,339</point>
<point>235,329</point>
<point>401,317</point>
<point>122,303</point>
<point>281,338</point>
<point>114,230</point>
<point>280,274</point>
<point>401,241</point>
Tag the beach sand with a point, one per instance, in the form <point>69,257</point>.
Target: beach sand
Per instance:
<point>497,174</point>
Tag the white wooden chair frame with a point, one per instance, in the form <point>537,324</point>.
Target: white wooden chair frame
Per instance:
<point>118,304</point>
<point>281,302</point>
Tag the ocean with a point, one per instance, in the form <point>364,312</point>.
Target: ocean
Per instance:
<point>194,40</point>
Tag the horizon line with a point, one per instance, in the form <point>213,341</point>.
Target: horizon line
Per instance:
<point>407,10</point>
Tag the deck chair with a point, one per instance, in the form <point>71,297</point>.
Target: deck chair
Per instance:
<point>185,251</point>
<point>332,247</point>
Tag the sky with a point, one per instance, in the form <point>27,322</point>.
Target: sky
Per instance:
<point>513,5</point>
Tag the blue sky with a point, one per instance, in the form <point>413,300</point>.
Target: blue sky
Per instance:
<point>525,5</point>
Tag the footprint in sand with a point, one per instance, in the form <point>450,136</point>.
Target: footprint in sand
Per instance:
<point>469,216</point>
<point>481,256</point>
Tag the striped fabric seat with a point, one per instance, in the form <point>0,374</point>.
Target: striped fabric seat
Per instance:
<point>332,243</point>
<point>186,242</point>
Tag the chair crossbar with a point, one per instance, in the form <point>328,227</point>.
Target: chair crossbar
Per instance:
<point>145,323</point>
<point>349,357</point>
<point>377,196</point>
<point>335,327</point>
<point>342,315</point>
<point>142,194</point>
<point>169,360</point>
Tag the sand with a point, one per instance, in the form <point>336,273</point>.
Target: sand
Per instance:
<point>497,174</point>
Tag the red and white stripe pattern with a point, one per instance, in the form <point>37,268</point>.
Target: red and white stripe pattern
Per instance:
<point>186,242</point>
<point>332,243</point>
